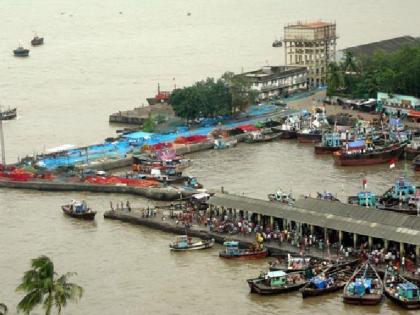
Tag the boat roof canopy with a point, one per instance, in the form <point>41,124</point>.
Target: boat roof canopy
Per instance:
<point>276,274</point>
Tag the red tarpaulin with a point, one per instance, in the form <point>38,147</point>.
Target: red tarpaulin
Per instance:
<point>190,139</point>
<point>247,128</point>
<point>113,180</point>
<point>414,113</point>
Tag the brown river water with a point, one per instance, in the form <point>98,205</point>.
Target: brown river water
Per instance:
<point>103,56</point>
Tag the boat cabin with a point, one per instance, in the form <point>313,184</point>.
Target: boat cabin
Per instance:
<point>366,198</point>
<point>408,291</point>
<point>402,190</point>
<point>183,241</point>
<point>331,140</point>
<point>276,278</point>
<point>231,247</point>
<point>79,207</point>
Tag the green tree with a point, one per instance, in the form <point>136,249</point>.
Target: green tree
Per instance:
<point>241,90</point>
<point>149,124</point>
<point>334,78</point>
<point>43,286</point>
<point>3,309</point>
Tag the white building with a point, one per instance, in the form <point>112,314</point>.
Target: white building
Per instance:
<point>272,81</point>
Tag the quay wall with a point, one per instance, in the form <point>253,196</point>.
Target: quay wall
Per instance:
<point>167,194</point>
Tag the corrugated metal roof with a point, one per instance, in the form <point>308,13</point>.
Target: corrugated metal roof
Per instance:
<point>388,45</point>
<point>333,215</point>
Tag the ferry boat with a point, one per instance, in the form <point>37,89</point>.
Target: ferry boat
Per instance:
<point>21,52</point>
<point>400,291</point>
<point>255,137</point>
<point>184,243</point>
<point>369,155</point>
<point>365,287</point>
<point>277,282</point>
<point>79,210</point>
<point>232,251</point>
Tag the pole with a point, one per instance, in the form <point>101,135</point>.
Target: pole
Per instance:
<point>3,151</point>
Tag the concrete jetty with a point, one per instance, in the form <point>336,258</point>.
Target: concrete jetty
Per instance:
<point>167,193</point>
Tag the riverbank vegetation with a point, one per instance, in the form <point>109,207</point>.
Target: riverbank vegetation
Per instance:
<point>210,98</point>
<point>363,77</point>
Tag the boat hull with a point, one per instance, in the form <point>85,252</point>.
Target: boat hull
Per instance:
<point>246,255</point>
<point>264,290</point>
<point>409,305</point>
<point>362,300</point>
<point>195,246</point>
<point>368,158</point>
<point>310,292</point>
<point>410,153</point>
<point>309,137</point>
<point>325,150</point>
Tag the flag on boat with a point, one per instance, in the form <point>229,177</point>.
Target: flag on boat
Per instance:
<point>392,163</point>
<point>364,183</point>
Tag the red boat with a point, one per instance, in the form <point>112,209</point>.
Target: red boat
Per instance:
<point>160,97</point>
<point>368,156</point>
<point>322,149</point>
<point>232,251</point>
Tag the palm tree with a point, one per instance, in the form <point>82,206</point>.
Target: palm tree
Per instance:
<point>42,286</point>
<point>334,78</point>
<point>349,65</point>
<point>3,309</point>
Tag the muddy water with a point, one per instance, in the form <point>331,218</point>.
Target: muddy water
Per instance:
<point>100,57</point>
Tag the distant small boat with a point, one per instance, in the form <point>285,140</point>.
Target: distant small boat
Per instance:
<point>8,114</point>
<point>277,43</point>
<point>36,41</point>
<point>21,52</point>
<point>79,210</point>
<point>184,242</point>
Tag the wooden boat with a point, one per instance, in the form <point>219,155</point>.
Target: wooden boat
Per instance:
<point>309,136</point>
<point>8,114</point>
<point>232,251</point>
<point>184,243</point>
<point>21,52</point>
<point>277,282</point>
<point>364,287</point>
<point>36,41</point>
<point>362,157</point>
<point>331,280</point>
<point>416,163</point>
<point>79,210</point>
<point>400,291</point>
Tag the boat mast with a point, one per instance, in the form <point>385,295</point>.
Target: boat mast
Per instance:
<point>3,151</point>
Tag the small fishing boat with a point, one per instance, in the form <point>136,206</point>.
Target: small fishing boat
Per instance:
<point>79,210</point>
<point>369,156</point>
<point>277,282</point>
<point>8,114</point>
<point>37,41</point>
<point>400,291</point>
<point>232,251</point>
<point>293,264</point>
<point>21,52</point>
<point>364,287</point>
<point>282,197</point>
<point>331,280</point>
<point>184,242</point>
<point>222,143</point>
